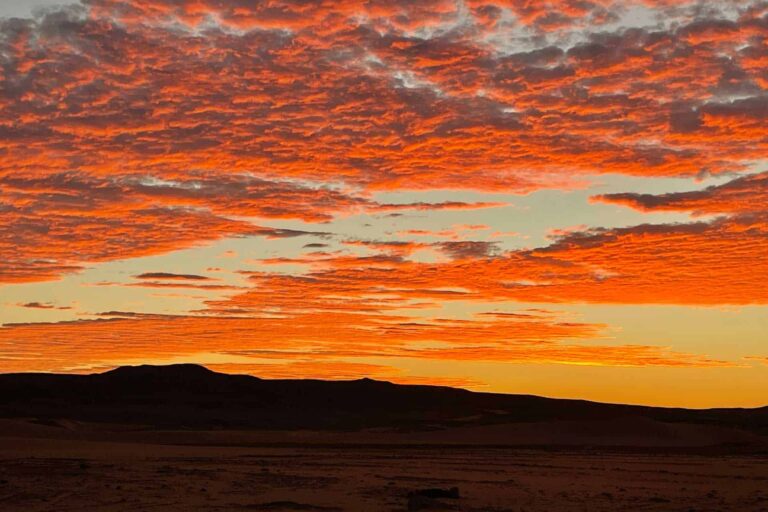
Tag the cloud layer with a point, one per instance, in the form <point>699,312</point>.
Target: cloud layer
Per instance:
<point>332,337</point>
<point>134,128</point>
<point>129,114</point>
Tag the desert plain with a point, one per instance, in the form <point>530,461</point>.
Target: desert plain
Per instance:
<point>70,467</point>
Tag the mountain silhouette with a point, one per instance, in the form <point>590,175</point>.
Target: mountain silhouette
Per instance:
<point>194,397</point>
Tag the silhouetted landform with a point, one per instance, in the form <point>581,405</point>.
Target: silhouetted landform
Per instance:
<point>192,397</point>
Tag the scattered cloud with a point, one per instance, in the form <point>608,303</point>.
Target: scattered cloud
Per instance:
<point>42,305</point>
<point>171,276</point>
<point>744,195</point>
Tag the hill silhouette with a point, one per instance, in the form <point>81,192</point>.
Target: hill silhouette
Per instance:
<point>193,397</point>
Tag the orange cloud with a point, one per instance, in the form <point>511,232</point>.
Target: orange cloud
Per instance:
<point>320,336</point>
<point>695,263</point>
<point>381,110</point>
<point>118,115</point>
<point>759,359</point>
<point>134,128</point>
<point>745,195</point>
<point>38,245</point>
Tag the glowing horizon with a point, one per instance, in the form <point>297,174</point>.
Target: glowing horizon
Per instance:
<point>561,198</point>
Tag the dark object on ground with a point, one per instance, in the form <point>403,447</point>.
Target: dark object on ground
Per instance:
<point>452,493</point>
<point>428,499</point>
<point>416,503</point>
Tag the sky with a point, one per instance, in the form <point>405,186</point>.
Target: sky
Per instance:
<point>563,198</point>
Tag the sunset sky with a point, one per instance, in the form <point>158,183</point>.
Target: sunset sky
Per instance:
<point>564,198</point>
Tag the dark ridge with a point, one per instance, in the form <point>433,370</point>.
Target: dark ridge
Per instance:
<point>192,396</point>
<point>144,369</point>
<point>170,372</point>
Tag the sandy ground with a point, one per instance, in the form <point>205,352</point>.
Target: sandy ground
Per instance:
<point>66,474</point>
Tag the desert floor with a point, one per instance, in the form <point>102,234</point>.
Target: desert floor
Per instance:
<point>67,474</point>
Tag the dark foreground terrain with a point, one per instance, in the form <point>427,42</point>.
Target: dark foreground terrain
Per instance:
<point>59,475</point>
<point>185,438</point>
